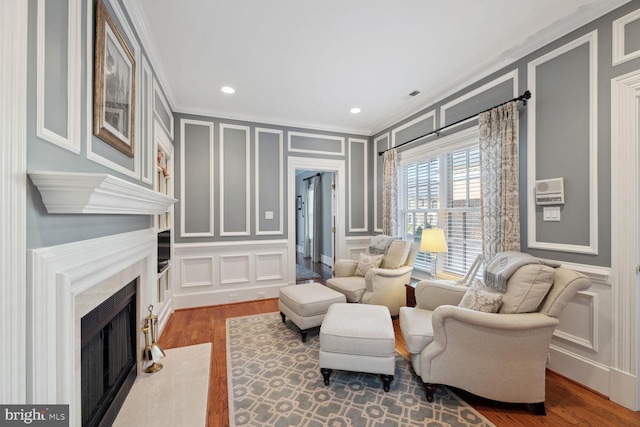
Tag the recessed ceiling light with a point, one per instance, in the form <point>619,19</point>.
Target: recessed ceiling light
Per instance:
<point>228,89</point>
<point>355,110</point>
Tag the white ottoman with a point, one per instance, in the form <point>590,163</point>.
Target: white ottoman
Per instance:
<point>306,304</point>
<point>360,338</point>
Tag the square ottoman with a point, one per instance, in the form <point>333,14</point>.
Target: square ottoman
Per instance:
<point>306,304</point>
<point>360,338</point>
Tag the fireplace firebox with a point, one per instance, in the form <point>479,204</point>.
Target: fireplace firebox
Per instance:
<point>108,356</point>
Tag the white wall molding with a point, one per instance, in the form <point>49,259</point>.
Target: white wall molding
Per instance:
<point>590,300</point>
<point>365,182</point>
<point>618,38</point>
<point>591,39</point>
<point>214,273</point>
<point>70,141</point>
<point>91,193</point>
<point>339,139</point>
<point>378,175</point>
<point>14,26</point>
<point>211,180</point>
<point>512,75</point>
<point>247,189</point>
<point>625,122</point>
<point>280,133</point>
<point>157,91</point>
<point>431,114</point>
<point>147,146</point>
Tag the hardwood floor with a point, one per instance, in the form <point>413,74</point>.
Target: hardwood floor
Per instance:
<point>322,269</point>
<point>567,403</point>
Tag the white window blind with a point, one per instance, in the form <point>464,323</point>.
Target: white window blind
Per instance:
<point>444,191</point>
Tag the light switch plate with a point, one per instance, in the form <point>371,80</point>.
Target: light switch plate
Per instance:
<point>268,214</point>
<point>551,213</point>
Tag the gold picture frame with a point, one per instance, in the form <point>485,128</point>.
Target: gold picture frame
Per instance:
<point>113,84</point>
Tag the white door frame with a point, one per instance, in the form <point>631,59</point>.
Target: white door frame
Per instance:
<point>624,381</point>
<point>321,165</point>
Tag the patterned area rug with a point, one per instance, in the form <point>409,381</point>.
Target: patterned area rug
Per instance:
<point>274,380</point>
<point>305,273</point>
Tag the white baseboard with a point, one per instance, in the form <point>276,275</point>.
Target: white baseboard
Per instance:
<point>623,389</point>
<point>226,296</point>
<point>580,369</point>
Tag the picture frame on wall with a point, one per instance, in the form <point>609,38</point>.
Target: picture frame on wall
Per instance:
<point>113,84</point>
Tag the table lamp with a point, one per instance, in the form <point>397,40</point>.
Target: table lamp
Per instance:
<point>433,241</point>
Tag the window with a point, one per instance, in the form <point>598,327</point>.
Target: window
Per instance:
<point>443,190</point>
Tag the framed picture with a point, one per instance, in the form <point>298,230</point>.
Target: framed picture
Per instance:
<point>113,84</point>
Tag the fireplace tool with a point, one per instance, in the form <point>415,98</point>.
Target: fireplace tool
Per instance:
<point>152,352</point>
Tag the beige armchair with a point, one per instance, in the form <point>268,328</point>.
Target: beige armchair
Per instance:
<point>382,285</point>
<point>494,355</point>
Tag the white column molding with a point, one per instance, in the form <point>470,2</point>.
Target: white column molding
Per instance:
<point>625,121</point>
<point>13,165</point>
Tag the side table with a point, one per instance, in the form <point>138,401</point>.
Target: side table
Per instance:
<point>411,291</point>
<point>411,294</point>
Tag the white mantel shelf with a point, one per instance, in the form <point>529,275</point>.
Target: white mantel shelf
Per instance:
<point>96,193</point>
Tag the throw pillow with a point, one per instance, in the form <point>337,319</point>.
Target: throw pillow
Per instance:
<point>396,255</point>
<point>479,298</point>
<point>526,289</point>
<point>367,262</point>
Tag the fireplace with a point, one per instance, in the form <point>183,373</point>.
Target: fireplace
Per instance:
<point>108,356</point>
<point>67,282</point>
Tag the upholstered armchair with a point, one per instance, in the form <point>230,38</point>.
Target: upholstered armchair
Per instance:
<point>496,355</point>
<point>383,285</point>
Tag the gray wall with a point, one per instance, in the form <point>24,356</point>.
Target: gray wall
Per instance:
<point>44,229</point>
<point>561,133</point>
<point>235,168</point>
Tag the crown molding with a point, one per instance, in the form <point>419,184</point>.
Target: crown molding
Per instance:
<point>96,193</point>
<point>558,29</point>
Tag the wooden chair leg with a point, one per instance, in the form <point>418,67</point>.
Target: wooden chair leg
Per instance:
<point>430,389</point>
<point>538,408</point>
<point>326,373</point>
<point>386,382</point>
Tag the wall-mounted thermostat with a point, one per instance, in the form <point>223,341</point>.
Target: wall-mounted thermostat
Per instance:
<point>550,191</point>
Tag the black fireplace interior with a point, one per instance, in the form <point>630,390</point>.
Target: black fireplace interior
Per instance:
<point>108,356</point>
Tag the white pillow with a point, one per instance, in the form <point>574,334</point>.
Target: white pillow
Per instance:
<point>527,287</point>
<point>396,255</point>
<point>480,298</point>
<point>367,262</point>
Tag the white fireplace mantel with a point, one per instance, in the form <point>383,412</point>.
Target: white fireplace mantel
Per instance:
<point>96,193</point>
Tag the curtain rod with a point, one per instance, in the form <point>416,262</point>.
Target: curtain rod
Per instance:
<point>312,176</point>
<point>522,97</point>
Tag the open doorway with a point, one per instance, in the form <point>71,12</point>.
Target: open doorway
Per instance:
<point>315,219</point>
<point>334,168</point>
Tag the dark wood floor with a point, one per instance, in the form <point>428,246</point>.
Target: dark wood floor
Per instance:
<point>567,403</point>
<point>323,270</point>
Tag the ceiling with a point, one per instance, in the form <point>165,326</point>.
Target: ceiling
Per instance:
<point>306,63</point>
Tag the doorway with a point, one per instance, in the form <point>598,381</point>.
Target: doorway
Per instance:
<point>315,218</point>
<point>331,171</point>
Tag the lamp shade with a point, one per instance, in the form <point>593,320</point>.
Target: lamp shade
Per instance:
<point>433,240</point>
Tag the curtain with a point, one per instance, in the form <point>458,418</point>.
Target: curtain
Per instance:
<point>500,208</point>
<point>390,193</point>
<point>313,219</point>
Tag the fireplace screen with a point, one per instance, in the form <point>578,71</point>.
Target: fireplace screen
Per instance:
<point>108,356</point>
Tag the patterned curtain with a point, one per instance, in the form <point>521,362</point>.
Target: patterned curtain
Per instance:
<point>499,176</point>
<point>390,193</point>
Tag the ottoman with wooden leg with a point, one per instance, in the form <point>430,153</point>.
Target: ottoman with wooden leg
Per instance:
<point>359,338</point>
<point>306,304</point>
